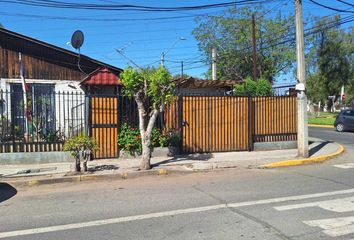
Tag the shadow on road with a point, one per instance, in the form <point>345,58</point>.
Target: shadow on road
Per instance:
<point>102,168</point>
<point>317,148</point>
<point>6,191</point>
<point>179,158</point>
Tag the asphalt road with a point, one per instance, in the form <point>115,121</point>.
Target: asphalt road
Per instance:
<point>345,138</point>
<point>306,202</point>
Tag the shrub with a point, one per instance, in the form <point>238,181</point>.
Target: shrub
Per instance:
<point>261,87</point>
<point>129,139</point>
<point>174,138</point>
<point>81,147</point>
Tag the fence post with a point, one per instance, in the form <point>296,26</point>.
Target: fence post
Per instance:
<point>180,119</point>
<point>120,110</point>
<point>250,123</point>
<point>89,114</point>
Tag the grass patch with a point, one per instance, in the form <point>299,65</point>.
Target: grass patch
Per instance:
<point>325,118</point>
<point>322,121</point>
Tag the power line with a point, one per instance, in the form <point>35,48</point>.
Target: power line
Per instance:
<point>127,7</point>
<point>346,3</point>
<point>330,8</point>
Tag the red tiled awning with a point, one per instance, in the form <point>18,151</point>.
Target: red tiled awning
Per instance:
<point>102,76</point>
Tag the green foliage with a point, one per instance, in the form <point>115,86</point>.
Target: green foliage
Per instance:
<point>129,139</point>
<point>79,145</point>
<point>132,81</point>
<point>331,61</point>
<point>54,136</point>
<point>174,138</point>
<point>154,83</point>
<point>160,87</point>
<point>260,87</point>
<point>231,33</point>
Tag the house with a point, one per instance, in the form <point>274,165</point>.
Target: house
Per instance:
<point>58,82</point>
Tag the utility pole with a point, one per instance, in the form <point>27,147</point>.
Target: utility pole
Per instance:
<point>254,47</point>
<point>163,59</point>
<point>213,63</point>
<point>182,69</point>
<point>302,128</point>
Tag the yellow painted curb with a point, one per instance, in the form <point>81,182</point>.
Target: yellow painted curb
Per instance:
<point>33,183</point>
<point>162,171</point>
<point>303,161</point>
<point>321,126</point>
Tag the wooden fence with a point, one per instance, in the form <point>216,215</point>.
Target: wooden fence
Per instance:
<point>231,123</point>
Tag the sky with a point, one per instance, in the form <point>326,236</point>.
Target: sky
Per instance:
<point>142,41</point>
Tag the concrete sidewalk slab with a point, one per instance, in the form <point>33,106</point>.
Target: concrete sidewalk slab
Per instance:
<point>128,168</point>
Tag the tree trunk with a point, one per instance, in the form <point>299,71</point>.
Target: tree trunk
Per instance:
<point>77,165</point>
<point>146,154</point>
<point>84,166</point>
<point>146,125</point>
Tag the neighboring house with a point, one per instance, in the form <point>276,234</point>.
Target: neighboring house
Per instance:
<point>57,82</point>
<point>200,86</point>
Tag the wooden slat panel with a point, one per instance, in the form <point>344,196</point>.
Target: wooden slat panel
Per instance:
<point>215,124</point>
<point>275,118</point>
<point>104,117</point>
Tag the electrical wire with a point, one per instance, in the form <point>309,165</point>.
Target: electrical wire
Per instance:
<point>346,3</point>
<point>127,7</point>
<point>330,8</point>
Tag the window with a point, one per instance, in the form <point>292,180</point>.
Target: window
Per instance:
<point>348,113</point>
<point>40,114</point>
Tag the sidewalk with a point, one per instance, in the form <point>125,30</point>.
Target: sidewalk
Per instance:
<point>161,165</point>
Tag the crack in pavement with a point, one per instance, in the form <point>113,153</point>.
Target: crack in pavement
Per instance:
<point>266,225</point>
<point>321,178</point>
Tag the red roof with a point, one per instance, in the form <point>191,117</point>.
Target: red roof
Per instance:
<point>101,76</point>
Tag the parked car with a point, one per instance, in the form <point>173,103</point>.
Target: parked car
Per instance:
<point>344,121</point>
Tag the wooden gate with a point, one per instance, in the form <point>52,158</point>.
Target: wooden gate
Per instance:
<point>104,125</point>
<point>214,124</point>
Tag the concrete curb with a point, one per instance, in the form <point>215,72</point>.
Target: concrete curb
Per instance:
<point>304,161</point>
<point>88,177</point>
<point>321,126</point>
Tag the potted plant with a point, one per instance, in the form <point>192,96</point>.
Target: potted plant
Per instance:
<point>81,147</point>
<point>174,142</point>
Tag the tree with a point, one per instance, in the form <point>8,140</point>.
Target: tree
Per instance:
<point>330,60</point>
<point>231,34</point>
<point>261,87</point>
<point>80,147</point>
<point>151,89</point>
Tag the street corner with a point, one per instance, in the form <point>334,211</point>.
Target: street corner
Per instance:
<point>303,161</point>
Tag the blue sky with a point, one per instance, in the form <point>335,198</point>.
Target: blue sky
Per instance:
<point>142,41</point>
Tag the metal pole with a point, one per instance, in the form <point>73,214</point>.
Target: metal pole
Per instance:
<point>213,63</point>
<point>254,47</point>
<point>163,59</point>
<point>182,69</point>
<point>302,128</point>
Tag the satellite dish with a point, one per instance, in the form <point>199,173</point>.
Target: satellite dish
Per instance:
<point>77,39</point>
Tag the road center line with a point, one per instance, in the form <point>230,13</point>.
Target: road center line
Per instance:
<point>168,213</point>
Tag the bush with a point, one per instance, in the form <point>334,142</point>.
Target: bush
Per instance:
<point>129,139</point>
<point>174,138</point>
<point>81,147</point>
<point>261,87</point>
